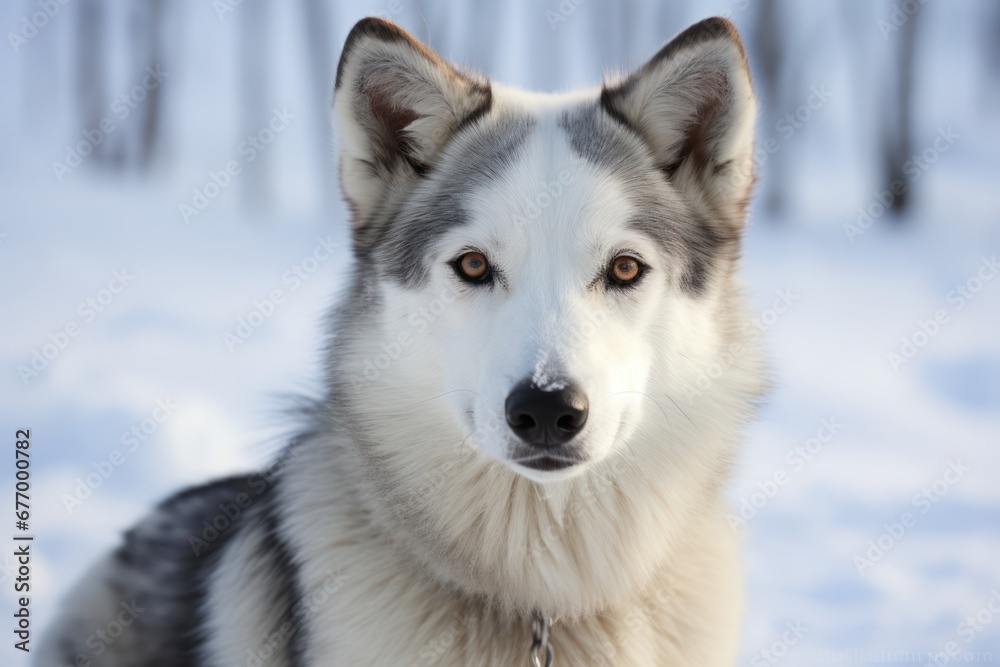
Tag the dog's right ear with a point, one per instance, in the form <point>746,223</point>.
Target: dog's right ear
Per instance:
<point>396,104</point>
<point>693,104</point>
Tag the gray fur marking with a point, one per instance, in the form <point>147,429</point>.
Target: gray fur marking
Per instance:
<point>159,579</point>
<point>476,156</point>
<point>681,231</point>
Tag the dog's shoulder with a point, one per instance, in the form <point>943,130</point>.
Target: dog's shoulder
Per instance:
<point>144,602</point>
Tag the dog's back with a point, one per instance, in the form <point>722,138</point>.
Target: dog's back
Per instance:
<point>144,603</point>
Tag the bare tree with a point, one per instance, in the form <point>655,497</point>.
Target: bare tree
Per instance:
<point>770,55</point>
<point>991,49</point>
<point>485,46</point>
<point>609,36</point>
<point>42,88</point>
<point>897,135</point>
<point>254,47</point>
<point>91,91</point>
<point>321,52</point>
<point>147,44</point>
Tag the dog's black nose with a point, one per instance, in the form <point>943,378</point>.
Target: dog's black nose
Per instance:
<point>546,418</point>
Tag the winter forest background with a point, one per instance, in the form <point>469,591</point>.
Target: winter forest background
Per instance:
<point>870,259</point>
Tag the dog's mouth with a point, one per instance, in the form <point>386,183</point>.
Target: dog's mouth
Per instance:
<point>547,461</point>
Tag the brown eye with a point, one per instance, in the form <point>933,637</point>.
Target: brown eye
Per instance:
<point>624,270</point>
<point>473,267</point>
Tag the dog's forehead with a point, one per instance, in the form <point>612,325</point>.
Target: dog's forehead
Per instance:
<point>549,196</point>
<point>580,183</point>
<point>577,181</point>
<point>564,175</point>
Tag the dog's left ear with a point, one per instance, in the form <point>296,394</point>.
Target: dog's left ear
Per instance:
<point>693,104</point>
<point>397,104</point>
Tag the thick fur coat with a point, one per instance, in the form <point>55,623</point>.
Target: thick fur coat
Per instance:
<point>582,246</point>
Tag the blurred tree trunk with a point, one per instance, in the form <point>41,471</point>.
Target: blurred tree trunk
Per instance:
<point>897,136</point>
<point>148,47</point>
<point>994,39</point>
<point>425,28</point>
<point>321,53</point>
<point>664,23</point>
<point>991,34</point>
<point>43,91</point>
<point>610,31</point>
<point>254,61</point>
<point>91,89</point>
<point>484,49</point>
<point>769,39</point>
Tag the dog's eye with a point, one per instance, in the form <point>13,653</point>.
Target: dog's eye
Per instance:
<point>473,267</point>
<point>624,270</point>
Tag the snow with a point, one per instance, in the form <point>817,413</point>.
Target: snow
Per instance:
<point>876,435</point>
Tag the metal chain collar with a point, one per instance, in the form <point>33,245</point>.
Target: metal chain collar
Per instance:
<point>541,649</point>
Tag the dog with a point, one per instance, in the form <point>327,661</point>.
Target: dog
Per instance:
<point>536,381</point>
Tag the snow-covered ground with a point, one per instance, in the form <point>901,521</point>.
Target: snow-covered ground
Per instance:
<point>868,487</point>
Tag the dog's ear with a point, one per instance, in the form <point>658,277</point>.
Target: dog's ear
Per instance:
<point>396,104</point>
<point>693,105</point>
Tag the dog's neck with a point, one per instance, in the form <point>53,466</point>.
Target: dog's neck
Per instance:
<point>569,549</point>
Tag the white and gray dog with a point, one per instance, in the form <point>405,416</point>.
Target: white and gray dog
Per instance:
<point>537,379</point>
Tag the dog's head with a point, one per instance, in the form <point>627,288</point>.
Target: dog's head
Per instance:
<point>544,303</point>
<point>555,268</point>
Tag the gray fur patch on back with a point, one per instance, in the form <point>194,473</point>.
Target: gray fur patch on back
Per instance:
<point>158,579</point>
<point>681,228</point>
<point>480,153</point>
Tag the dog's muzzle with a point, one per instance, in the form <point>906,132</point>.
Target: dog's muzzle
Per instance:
<point>547,421</point>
